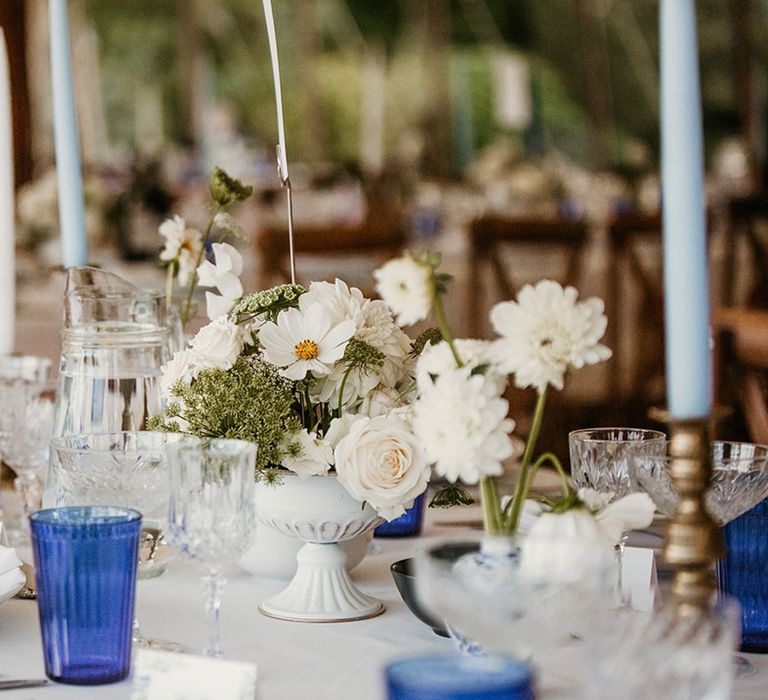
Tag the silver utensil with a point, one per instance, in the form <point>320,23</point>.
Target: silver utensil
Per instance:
<point>23,683</point>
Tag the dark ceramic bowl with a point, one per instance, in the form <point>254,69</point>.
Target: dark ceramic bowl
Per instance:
<point>402,572</point>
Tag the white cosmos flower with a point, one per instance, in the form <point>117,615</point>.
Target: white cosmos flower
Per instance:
<point>224,276</point>
<point>546,332</point>
<point>462,423</point>
<point>306,454</point>
<point>407,288</point>
<point>631,512</point>
<point>181,244</point>
<point>304,340</point>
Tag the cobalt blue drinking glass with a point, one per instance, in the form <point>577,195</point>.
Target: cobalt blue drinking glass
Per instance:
<point>743,574</point>
<point>453,677</point>
<point>85,563</point>
<point>408,524</point>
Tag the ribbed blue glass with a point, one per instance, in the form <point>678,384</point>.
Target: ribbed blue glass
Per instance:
<point>85,567</point>
<point>409,524</point>
<point>743,574</point>
<point>459,678</point>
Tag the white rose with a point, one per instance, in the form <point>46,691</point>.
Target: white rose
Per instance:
<point>339,428</point>
<point>569,548</point>
<point>381,462</point>
<point>217,345</point>
<point>306,454</point>
<point>180,368</point>
<point>406,286</point>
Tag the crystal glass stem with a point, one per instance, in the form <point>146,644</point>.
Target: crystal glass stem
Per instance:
<point>213,585</point>
<point>28,488</point>
<point>623,600</point>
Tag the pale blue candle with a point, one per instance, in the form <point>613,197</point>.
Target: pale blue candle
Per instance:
<point>69,175</point>
<point>687,316</point>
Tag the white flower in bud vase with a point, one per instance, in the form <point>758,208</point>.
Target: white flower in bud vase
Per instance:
<point>224,276</point>
<point>181,244</point>
<point>381,461</point>
<point>633,511</point>
<point>462,423</point>
<point>180,368</point>
<point>217,345</point>
<point>546,332</point>
<point>306,454</point>
<point>567,548</point>
<point>305,340</point>
<point>407,287</point>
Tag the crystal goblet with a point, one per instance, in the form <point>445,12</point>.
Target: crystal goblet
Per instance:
<point>211,512</point>
<point>126,469</point>
<point>601,459</point>
<point>739,479</point>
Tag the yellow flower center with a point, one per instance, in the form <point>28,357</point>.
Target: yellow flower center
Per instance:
<point>306,350</point>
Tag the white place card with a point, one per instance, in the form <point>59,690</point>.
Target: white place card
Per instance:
<point>639,578</point>
<point>164,675</point>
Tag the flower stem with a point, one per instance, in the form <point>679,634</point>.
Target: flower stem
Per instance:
<point>343,386</point>
<point>491,510</point>
<point>522,486</point>
<point>445,329</point>
<point>187,308</point>
<point>169,284</point>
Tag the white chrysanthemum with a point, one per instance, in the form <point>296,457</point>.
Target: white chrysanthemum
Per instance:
<point>181,244</point>
<point>305,340</point>
<point>546,332</point>
<point>374,325</point>
<point>436,359</point>
<point>407,288</point>
<point>462,423</point>
<point>306,454</point>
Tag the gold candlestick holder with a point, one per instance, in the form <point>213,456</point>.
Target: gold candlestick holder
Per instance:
<point>693,542</point>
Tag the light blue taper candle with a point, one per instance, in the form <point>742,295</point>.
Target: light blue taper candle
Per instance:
<point>687,317</point>
<point>70,179</point>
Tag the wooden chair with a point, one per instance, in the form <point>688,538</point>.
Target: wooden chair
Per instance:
<point>637,372</point>
<point>490,234</point>
<point>741,372</point>
<point>746,216</point>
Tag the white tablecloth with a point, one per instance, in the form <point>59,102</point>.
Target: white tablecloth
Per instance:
<point>295,661</point>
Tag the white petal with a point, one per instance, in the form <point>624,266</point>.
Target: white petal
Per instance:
<point>217,305</point>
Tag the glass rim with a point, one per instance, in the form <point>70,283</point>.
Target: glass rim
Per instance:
<point>654,435</point>
<point>761,456</point>
<point>92,515</point>
<point>66,443</point>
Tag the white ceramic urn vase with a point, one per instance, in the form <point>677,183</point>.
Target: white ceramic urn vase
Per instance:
<point>318,511</point>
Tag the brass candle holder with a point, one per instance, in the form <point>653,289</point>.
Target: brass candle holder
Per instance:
<point>693,542</point>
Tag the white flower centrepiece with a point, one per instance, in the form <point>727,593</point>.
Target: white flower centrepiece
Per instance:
<point>406,286</point>
<point>546,332</point>
<point>306,454</point>
<point>217,345</point>
<point>462,422</point>
<point>305,340</point>
<point>380,461</point>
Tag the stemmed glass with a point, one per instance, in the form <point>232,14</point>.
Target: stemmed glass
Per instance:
<point>126,469</point>
<point>26,424</point>
<point>601,460</point>
<point>211,513</point>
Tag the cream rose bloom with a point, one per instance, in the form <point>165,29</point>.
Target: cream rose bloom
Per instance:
<point>217,345</point>
<point>381,462</point>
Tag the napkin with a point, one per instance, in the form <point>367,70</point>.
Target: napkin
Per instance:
<point>12,578</point>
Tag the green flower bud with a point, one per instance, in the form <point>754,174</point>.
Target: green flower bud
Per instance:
<point>227,190</point>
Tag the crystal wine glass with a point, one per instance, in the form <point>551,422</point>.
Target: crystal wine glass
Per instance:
<point>600,460</point>
<point>211,514</point>
<point>125,469</point>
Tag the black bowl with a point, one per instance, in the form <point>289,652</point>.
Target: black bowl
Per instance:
<point>405,580</point>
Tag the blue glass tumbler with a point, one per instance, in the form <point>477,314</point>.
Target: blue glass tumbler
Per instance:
<point>408,524</point>
<point>454,677</point>
<point>85,567</point>
<point>743,574</point>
